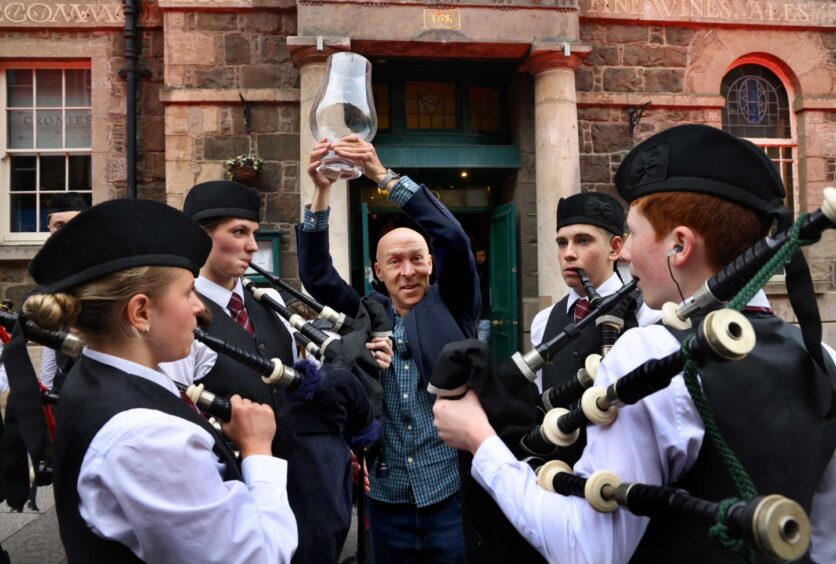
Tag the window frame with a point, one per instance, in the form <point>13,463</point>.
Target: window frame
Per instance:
<point>7,236</point>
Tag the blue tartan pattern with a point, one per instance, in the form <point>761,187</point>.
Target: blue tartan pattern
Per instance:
<point>417,458</point>
<point>315,221</point>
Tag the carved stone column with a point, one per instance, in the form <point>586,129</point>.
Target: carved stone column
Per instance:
<point>556,149</point>
<point>309,55</point>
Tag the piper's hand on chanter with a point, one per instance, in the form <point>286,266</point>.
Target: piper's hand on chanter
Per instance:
<point>381,349</point>
<point>363,154</point>
<point>251,427</point>
<point>462,423</point>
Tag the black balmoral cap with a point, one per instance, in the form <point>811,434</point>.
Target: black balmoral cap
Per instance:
<point>222,198</point>
<point>117,235</point>
<point>705,160</point>
<point>66,201</point>
<point>591,208</point>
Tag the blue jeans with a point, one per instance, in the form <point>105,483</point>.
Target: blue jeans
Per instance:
<point>407,534</point>
<point>484,330</point>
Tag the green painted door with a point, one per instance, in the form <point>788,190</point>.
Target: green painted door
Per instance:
<point>361,267</point>
<point>502,261</point>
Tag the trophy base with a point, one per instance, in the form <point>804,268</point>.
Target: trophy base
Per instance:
<point>335,168</point>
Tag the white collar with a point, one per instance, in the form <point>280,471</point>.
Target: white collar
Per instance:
<point>609,287</point>
<point>218,294</point>
<point>132,368</point>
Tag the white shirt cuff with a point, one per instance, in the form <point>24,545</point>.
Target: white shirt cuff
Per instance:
<point>266,469</point>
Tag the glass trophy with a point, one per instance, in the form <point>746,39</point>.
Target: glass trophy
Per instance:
<point>344,106</point>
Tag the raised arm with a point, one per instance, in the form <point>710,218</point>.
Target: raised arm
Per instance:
<point>453,260</point>
<point>316,269</point>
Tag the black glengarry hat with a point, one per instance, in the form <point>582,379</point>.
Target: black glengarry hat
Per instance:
<point>591,208</point>
<point>705,160</point>
<point>65,202</point>
<point>222,198</point>
<point>117,235</point>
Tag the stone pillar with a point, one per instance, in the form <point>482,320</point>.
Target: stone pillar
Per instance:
<point>309,55</point>
<point>557,151</point>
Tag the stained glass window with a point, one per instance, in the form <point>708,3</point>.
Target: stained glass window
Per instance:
<point>430,105</point>
<point>756,103</point>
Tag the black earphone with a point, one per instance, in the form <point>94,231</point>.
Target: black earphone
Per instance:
<point>676,249</point>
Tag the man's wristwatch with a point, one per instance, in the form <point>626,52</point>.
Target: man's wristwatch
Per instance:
<point>390,175</point>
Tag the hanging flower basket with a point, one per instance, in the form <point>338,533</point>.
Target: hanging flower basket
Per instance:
<point>244,168</point>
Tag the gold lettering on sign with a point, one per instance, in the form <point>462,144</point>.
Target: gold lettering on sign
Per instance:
<point>811,12</point>
<point>442,19</point>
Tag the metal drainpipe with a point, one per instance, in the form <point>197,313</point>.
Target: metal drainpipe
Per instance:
<point>131,10</point>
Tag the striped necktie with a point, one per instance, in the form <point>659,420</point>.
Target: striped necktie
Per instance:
<point>239,314</point>
<point>581,309</point>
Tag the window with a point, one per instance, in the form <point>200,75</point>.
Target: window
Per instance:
<point>757,109</point>
<point>46,142</point>
<point>430,105</point>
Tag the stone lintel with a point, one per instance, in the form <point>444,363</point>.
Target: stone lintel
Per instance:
<point>228,96</point>
<point>549,55</point>
<point>814,103</point>
<point>435,49</point>
<point>226,5</point>
<point>305,49</point>
<point>632,99</point>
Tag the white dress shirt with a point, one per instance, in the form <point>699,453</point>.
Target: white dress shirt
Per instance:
<point>4,378</point>
<point>197,365</point>
<point>566,529</point>
<point>152,482</point>
<point>644,316</point>
<point>49,367</point>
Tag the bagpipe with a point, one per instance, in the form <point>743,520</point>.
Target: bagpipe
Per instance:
<point>609,327</point>
<point>349,349</point>
<point>340,322</point>
<point>774,525</point>
<point>29,429</point>
<point>724,335</point>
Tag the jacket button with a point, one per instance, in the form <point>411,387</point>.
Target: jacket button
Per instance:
<point>261,346</point>
<point>575,354</point>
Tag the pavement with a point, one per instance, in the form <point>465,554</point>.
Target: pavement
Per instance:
<point>32,537</point>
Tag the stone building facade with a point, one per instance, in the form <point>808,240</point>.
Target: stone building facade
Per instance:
<point>578,83</point>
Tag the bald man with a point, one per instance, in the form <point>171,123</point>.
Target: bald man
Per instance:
<point>414,512</point>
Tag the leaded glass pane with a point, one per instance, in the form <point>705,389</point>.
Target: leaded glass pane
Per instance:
<point>430,105</point>
<point>756,103</point>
